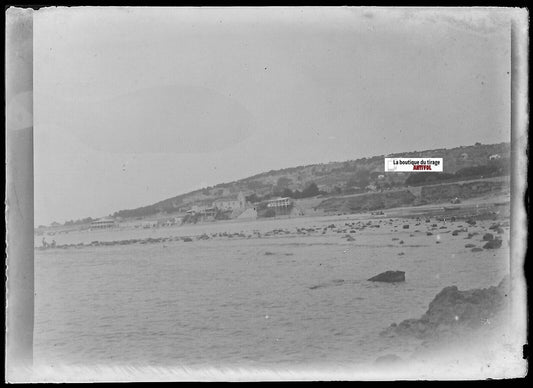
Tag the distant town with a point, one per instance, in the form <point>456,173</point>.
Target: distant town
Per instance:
<point>333,188</point>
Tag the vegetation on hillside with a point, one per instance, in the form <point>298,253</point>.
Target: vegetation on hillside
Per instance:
<point>341,178</point>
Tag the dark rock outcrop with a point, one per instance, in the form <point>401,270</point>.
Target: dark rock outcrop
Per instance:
<point>488,237</point>
<point>493,244</point>
<point>452,308</point>
<point>389,277</point>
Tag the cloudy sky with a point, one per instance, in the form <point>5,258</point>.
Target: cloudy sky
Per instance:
<point>135,105</point>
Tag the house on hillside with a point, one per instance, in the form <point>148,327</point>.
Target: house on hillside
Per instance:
<point>231,203</point>
<point>103,223</point>
<point>197,209</point>
<point>375,174</point>
<point>210,212</point>
<point>275,207</point>
<point>149,224</point>
<point>204,211</point>
<point>279,203</point>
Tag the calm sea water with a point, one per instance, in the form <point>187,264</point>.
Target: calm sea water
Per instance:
<point>224,302</point>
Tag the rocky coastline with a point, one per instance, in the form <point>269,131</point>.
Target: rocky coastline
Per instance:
<point>452,310</point>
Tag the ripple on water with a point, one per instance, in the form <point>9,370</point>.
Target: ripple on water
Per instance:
<point>206,302</point>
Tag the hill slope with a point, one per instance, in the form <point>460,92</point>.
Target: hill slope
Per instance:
<point>347,177</point>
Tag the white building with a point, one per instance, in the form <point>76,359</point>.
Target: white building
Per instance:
<point>279,202</point>
<point>103,223</point>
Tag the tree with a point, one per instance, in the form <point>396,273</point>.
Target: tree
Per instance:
<point>351,183</point>
<point>287,193</point>
<point>283,182</point>
<point>310,191</point>
<point>253,198</point>
<point>222,215</point>
<point>362,177</point>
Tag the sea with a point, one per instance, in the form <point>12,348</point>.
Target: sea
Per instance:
<point>283,299</point>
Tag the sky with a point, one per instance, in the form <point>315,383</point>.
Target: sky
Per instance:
<point>136,105</point>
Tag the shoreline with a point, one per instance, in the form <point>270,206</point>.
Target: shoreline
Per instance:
<point>493,208</point>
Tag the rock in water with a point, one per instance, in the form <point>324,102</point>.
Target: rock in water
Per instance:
<point>336,282</point>
<point>389,277</point>
<point>493,244</point>
<point>488,237</point>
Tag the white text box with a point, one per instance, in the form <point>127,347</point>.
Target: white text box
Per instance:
<point>413,164</point>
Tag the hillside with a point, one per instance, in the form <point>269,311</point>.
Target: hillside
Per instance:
<point>342,178</point>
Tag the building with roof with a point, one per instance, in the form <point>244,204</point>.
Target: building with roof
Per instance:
<point>280,202</point>
<point>231,203</point>
<point>103,223</point>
